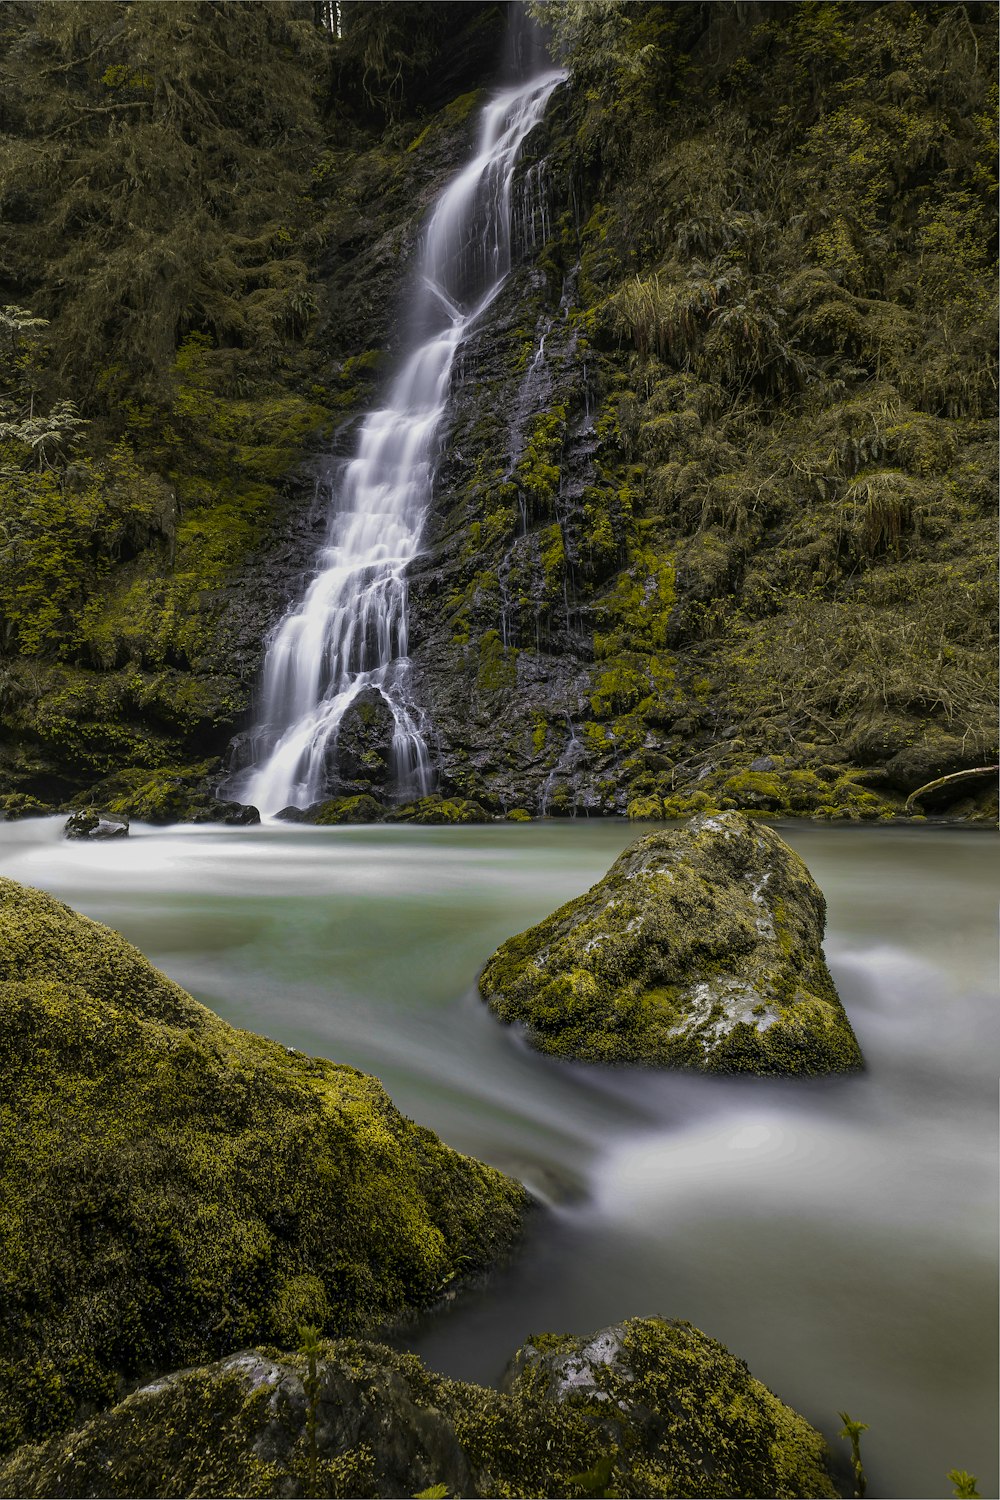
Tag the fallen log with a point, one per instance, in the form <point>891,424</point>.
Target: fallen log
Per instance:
<point>931,786</point>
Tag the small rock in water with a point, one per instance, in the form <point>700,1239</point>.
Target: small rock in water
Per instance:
<point>700,948</point>
<point>239,813</point>
<point>88,824</point>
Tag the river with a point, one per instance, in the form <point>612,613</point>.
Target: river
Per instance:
<point>839,1235</point>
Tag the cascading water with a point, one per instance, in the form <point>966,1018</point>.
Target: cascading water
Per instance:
<point>348,635</point>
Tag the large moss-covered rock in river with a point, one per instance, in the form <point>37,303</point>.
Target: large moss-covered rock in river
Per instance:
<point>701,947</point>
<point>647,1408</point>
<point>172,1188</point>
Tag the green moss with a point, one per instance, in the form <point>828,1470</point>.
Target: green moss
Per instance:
<point>497,664</point>
<point>360,809</point>
<point>645,808</point>
<point>675,1411</point>
<point>439,810</point>
<point>667,958</point>
<point>168,1181</point>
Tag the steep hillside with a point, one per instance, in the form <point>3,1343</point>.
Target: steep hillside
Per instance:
<point>723,480</point>
<point>715,524</point>
<point>206,210</point>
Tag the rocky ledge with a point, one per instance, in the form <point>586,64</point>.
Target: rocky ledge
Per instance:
<point>172,1189</point>
<point>700,948</point>
<point>645,1408</point>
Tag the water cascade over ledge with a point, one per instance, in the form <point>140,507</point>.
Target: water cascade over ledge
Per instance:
<point>348,635</point>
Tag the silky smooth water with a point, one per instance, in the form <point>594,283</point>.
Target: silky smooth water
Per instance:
<point>349,632</point>
<point>839,1235</point>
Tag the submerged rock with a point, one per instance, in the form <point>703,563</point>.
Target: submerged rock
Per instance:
<point>88,824</point>
<point>701,947</point>
<point>173,1189</point>
<point>659,1406</point>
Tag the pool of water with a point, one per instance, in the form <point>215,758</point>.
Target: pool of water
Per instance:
<point>839,1235</point>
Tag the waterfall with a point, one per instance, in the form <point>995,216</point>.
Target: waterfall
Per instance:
<point>348,634</point>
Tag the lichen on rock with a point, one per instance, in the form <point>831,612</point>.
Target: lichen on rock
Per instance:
<point>667,1409</point>
<point>172,1188</point>
<point>701,948</point>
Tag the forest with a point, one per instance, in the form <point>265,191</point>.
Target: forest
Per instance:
<point>747,515</point>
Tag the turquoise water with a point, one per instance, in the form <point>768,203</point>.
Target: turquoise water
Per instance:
<point>840,1236</point>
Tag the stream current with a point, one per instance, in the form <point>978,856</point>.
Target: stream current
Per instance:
<point>839,1235</point>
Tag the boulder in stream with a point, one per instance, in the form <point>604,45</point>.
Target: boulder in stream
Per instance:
<point>648,1407</point>
<point>90,824</point>
<point>359,757</point>
<point>173,1189</point>
<point>700,948</point>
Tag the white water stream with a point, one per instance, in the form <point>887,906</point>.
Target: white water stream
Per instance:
<point>349,632</point>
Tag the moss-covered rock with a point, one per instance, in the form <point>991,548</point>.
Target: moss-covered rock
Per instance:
<point>360,809</point>
<point>17,805</point>
<point>669,1412</point>
<point>701,947</point>
<point>359,758</point>
<point>172,1188</point>
<point>90,824</point>
<point>169,796</point>
<point>440,810</point>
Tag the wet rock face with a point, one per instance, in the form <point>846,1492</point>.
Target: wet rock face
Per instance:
<point>701,948</point>
<point>666,1410</point>
<point>360,758</point>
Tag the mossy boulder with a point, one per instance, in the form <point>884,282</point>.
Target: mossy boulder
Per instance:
<point>336,810</point>
<point>664,1409</point>
<point>439,810</point>
<point>701,948</point>
<point>172,1188</point>
<point>90,824</point>
<point>16,805</point>
<point>359,758</point>
<point>163,797</point>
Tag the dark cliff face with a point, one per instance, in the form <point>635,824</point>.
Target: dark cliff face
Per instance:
<point>714,520</point>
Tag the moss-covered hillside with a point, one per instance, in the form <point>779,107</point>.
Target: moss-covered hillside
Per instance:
<point>205,210</point>
<point>722,472</point>
<point>741,505</point>
<point>172,1189</point>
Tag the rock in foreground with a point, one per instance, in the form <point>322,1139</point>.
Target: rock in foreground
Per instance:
<point>700,948</point>
<point>172,1189</point>
<point>665,1409</point>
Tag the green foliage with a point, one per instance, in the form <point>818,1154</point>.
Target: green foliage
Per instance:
<point>597,1480</point>
<point>852,1430</point>
<point>965,1484</point>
